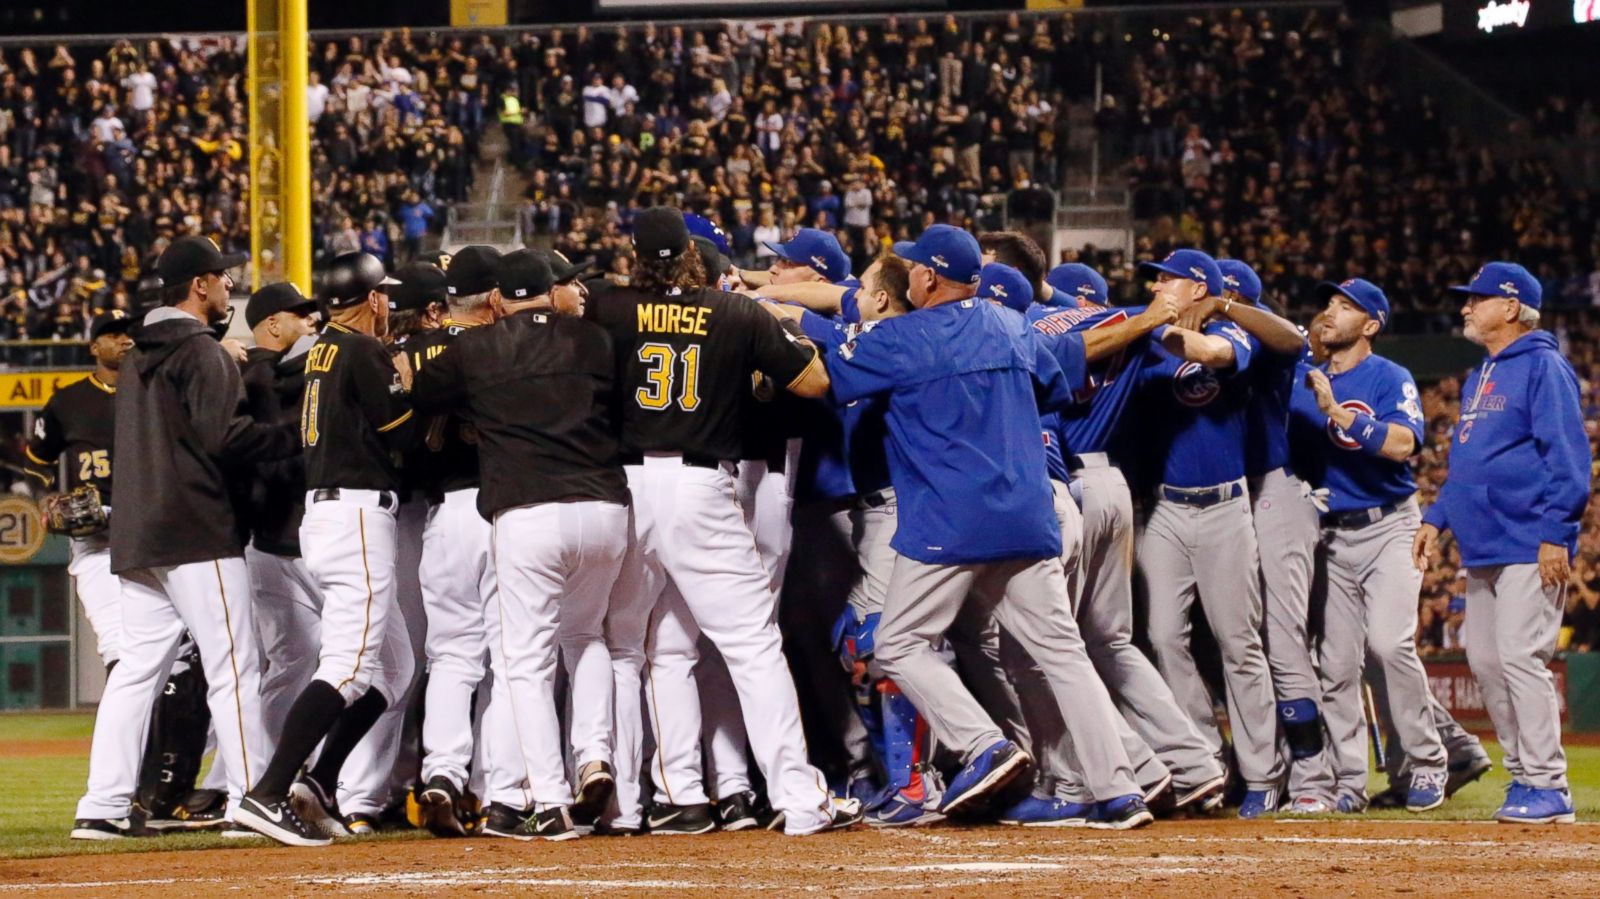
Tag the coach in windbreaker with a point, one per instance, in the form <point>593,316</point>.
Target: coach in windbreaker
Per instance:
<point>1514,498</point>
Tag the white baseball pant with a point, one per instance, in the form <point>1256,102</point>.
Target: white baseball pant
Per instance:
<point>458,586</point>
<point>100,591</point>
<point>288,613</point>
<point>212,601</point>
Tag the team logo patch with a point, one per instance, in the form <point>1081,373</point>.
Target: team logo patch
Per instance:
<point>38,427</point>
<point>818,263</point>
<point>1195,385</point>
<point>939,261</point>
<point>997,291</point>
<point>1337,434</point>
<point>1509,288</point>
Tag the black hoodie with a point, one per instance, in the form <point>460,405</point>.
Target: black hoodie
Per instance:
<point>179,426</point>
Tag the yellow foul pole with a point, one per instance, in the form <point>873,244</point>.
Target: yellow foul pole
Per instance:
<point>295,130</point>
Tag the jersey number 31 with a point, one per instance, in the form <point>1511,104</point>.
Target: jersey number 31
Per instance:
<point>660,366</point>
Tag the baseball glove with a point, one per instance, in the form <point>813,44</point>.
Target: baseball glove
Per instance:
<point>76,513</point>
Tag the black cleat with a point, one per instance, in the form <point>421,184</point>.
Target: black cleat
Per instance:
<point>200,810</point>
<point>504,821</point>
<point>674,820</point>
<point>279,821</point>
<point>739,811</point>
<point>106,828</point>
<point>595,785</point>
<point>437,806</point>
<point>317,807</point>
<point>553,824</point>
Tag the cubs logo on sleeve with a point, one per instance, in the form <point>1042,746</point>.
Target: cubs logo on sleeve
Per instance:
<point>1338,435</point>
<point>1409,403</point>
<point>1195,385</point>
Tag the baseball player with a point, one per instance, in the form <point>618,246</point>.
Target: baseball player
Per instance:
<point>1514,499</point>
<point>1198,539</point>
<point>1287,534</point>
<point>685,353</point>
<point>355,416</point>
<point>537,388</point>
<point>457,577</point>
<point>174,542</point>
<point>288,605</point>
<point>1370,411</point>
<point>962,420</point>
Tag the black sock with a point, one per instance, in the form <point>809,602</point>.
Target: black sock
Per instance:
<point>352,726</point>
<point>314,712</point>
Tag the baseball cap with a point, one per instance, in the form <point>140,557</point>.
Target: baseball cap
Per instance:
<point>191,257</point>
<point>523,275</point>
<point>420,283</point>
<point>1241,279</point>
<point>1005,285</point>
<point>1073,284</point>
<point>1363,293</point>
<point>438,258</point>
<point>659,233</point>
<point>564,269</point>
<point>716,263</point>
<point>1505,279</point>
<point>112,321</point>
<point>951,252</point>
<point>700,226</point>
<point>817,250</point>
<point>1191,264</point>
<point>273,299</point>
<point>472,270</point>
<point>351,277</point>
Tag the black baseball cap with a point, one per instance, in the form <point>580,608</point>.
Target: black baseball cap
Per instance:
<point>716,263</point>
<point>472,270</point>
<point>191,257</point>
<point>421,283</point>
<point>564,269</point>
<point>659,233</point>
<point>525,274</point>
<point>437,258</point>
<point>112,321</point>
<point>273,299</point>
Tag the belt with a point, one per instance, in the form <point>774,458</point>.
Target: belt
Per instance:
<point>1202,497</point>
<point>689,460</point>
<point>1356,518</point>
<point>386,498</point>
<point>1079,461</point>
<point>877,499</point>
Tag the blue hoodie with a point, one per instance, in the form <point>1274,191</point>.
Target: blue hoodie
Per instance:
<point>1519,459</point>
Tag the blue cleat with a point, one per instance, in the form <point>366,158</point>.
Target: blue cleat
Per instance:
<point>1121,813</point>
<point>1530,805</point>
<point>899,810</point>
<point>1351,805</point>
<point>1259,802</point>
<point>1035,811</point>
<point>1427,791</point>
<point>989,772</point>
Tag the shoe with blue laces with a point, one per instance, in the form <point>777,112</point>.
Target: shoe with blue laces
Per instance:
<point>985,775</point>
<point>901,810</point>
<point>1530,805</point>
<point>1121,813</point>
<point>1259,802</point>
<point>1427,791</point>
<point>1035,811</point>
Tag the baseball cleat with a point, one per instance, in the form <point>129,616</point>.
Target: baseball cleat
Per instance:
<point>234,832</point>
<point>900,810</point>
<point>553,824</point>
<point>1392,798</point>
<point>595,785</point>
<point>1530,805</point>
<point>738,812</point>
<point>105,828</point>
<point>361,824</point>
<point>864,789</point>
<point>1207,794</point>
<point>678,820</point>
<point>1122,813</point>
<point>602,829</point>
<point>985,775</point>
<point>1308,805</point>
<point>1427,791</point>
<point>1155,790</point>
<point>1036,811</point>
<point>317,807</point>
<point>279,821</point>
<point>847,813</point>
<point>1351,805</point>
<point>1465,772</point>
<point>504,821</point>
<point>436,806</point>
<point>1259,802</point>
<point>200,810</point>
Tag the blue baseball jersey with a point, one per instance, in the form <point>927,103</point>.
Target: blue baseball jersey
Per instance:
<point>1266,442</point>
<point>964,388</point>
<point>843,451</point>
<point>1088,426</point>
<point>1355,478</point>
<point>1191,425</point>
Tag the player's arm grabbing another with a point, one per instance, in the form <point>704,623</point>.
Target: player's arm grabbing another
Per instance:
<point>1392,431</point>
<point>1241,304</point>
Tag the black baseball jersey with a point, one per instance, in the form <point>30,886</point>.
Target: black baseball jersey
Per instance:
<point>355,416</point>
<point>537,389</point>
<point>273,385</point>
<point>684,364</point>
<point>76,425</point>
<point>447,458</point>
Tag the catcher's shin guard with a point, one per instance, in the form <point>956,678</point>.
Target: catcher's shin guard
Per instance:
<point>1302,727</point>
<point>906,742</point>
<point>177,739</point>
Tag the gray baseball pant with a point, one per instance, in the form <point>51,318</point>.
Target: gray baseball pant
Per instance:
<point>1460,746</point>
<point>1028,598</point>
<point>1512,623</point>
<point>1372,606</point>
<point>1103,590</point>
<point>1287,532</point>
<point>1187,550</point>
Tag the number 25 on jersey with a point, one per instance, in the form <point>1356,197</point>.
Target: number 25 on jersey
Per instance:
<point>661,366</point>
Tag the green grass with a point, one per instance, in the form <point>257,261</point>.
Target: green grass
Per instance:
<point>42,791</point>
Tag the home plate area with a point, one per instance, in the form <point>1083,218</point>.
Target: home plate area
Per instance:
<point>1209,858</point>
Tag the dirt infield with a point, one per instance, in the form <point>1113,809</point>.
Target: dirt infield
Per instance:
<point>1208,858</point>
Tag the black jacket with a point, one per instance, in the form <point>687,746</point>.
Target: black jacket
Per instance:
<point>179,426</point>
<point>273,382</point>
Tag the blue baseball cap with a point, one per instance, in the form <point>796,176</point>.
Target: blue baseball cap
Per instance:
<point>1005,285</point>
<point>1505,279</point>
<point>816,250</point>
<point>1363,293</point>
<point>951,252</point>
<point>1241,279</point>
<point>1191,264</point>
<point>1073,284</point>
<point>700,226</point>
